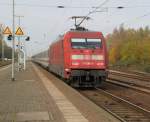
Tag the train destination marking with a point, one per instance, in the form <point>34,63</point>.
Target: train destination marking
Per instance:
<point>7,31</point>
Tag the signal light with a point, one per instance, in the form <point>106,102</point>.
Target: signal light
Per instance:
<point>28,38</point>
<point>9,37</point>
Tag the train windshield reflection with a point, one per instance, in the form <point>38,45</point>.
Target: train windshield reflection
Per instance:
<point>79,43</point>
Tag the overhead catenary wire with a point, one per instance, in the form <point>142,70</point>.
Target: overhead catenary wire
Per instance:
<point>92,12</point>
<point>136,18</point>
<point>70,6</point>
<point>46,6</point>
<point>54,27</point>
<point>95,9</point>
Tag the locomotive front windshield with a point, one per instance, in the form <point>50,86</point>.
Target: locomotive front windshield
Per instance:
<point>82,43</point>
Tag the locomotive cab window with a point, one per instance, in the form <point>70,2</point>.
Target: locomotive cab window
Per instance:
<point>94,43</point>
<point>78,43</point>
<point>86,43</point>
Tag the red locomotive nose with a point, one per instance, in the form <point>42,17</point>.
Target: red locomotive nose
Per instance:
<point>87,51</point>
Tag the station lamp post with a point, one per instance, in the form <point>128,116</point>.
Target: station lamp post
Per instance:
<point>13,42</point>
<point>2,43</point>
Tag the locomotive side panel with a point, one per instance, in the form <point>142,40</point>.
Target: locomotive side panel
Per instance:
<point>56,58</point>
<point>67,53</point>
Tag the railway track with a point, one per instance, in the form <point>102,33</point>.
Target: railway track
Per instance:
<point>122,109</point>
<point>133,86</point>
<point>135,75</point>
<point>118,107</point>
<point>138,82</point>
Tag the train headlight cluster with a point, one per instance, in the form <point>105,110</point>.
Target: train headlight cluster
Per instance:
<point>98,57</point>
<point>67,70</point>
<point>87,57</point>
<point>75,63</point>
<point>77,57</point>
<point>100,64</point>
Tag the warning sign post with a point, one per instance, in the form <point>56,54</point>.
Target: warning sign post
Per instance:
<point>7,31</point>
<point>19,32</point>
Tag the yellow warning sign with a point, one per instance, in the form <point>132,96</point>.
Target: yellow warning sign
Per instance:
<point>19,31</point>
<point>7,31</point>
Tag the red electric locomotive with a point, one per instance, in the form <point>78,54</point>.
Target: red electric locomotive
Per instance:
<point>80,57</point>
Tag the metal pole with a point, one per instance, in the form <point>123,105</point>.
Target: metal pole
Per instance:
<point>19,44</point>
<point>2,55</point>
<point>19,47</point>
<point>24,57</point>
<point>18,53</point>
<point>19,20</point>
<point>86,17</point>
<point>13,44</point>
<point>25,60</point>
<point>3,48</point>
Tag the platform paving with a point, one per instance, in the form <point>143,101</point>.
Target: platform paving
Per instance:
<point>38,96</point>
<point>70,112</point>
<point>26,99</point>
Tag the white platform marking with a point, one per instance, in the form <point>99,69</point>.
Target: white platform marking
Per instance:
<point>70,112</point>
<point>32,116</point>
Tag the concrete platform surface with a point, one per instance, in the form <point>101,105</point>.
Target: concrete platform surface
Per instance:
<point>37,96</point>
<point>26,99</point>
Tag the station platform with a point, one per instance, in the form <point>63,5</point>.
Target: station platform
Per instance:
<point>33,97</point>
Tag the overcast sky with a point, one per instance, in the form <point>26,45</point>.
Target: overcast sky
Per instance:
<point>43,21</point>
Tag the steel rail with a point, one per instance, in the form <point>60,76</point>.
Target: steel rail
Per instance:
<point>125,101</point>
<point>123,110</point>
<point>142,77</point>
<point>136,87</point>
<point>130,104</point>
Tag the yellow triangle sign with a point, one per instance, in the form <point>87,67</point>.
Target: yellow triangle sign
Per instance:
<point>7,31</point>
<point>19,31</point>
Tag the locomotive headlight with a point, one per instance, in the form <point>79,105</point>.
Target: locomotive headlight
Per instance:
<point>77,57</point>
<point>67,70</point>
<point>97,57</point>
<point>100,64</point>
<point>75,63</point>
